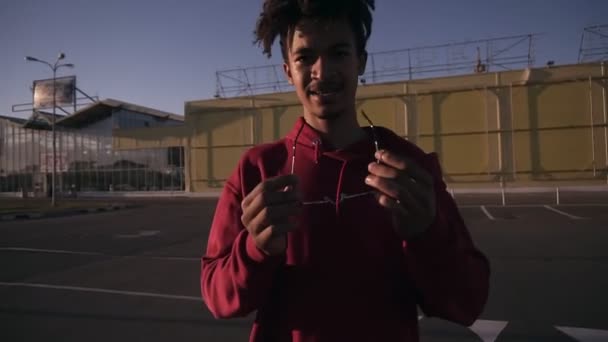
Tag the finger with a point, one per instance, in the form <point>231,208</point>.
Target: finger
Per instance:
<point>402,179</point>
<point>384,185</point>
<point>259,198</point>
<point>278,214</point>
<point>391,159</point>
<point>416,172</point>
<point>409,196</point>
<point>246,202</point>
<point>267,200</point>
<point>404,190</point>
<point>282,228</point>
<point>383,170</point>
<point>279,183</point>
<point>280,197</point>
<point>274,231</point>
<point>405,206</point>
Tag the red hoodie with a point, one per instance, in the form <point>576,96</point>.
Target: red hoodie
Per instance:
<point>346,275</point>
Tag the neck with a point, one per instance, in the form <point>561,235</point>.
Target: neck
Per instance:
<point>339,131</point>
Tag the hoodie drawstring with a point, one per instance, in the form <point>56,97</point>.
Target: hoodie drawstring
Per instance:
<point>316,143</point>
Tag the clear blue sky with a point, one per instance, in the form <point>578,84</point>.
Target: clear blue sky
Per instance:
<point>161,53</point>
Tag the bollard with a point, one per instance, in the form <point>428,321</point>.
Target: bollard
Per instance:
<point>557,195</point>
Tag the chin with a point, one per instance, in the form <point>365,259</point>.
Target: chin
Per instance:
<point>328,113</point>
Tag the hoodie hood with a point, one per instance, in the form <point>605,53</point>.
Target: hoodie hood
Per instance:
<point>307,138</point>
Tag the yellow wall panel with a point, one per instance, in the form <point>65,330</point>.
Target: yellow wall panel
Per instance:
<point>565,150</point>
<point>382,112</point>
<point>464,154</point>
<point>463,111</point>
<point>560,104</point>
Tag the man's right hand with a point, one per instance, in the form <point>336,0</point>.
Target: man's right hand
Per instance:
<point>267,210</point>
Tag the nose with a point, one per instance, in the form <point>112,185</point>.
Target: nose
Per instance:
<point>322,68</point>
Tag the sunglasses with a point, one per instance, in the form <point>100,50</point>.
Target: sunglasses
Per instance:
<point>343,196</point>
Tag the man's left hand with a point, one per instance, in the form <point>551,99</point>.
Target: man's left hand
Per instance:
<point>404,188</point>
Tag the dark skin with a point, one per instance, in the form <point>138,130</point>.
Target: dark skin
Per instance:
<point>323,65</point>
<point>267,210</point>
<point>406,190</point>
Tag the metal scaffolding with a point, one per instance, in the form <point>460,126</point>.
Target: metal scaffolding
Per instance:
<point>476,56</point>
<point>594,44</point>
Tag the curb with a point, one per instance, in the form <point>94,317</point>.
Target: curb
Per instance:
<point>67,212</point>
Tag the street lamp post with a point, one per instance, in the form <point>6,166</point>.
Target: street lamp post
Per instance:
<point>53,67</point>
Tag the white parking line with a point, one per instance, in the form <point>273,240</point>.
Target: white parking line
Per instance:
<point>54,251</point>
<point>487,330</point>
<point>584,334</point>
<point>98,290</point>
<point>59,251</point>
<point>574,217</point>
<point>531,205</point>
<point>485,211</point>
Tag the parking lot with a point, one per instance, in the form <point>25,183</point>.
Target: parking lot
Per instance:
<point>133,274</point>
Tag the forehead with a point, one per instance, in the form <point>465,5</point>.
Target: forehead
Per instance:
<point>322,33</point>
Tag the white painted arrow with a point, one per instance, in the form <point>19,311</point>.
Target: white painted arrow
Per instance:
<point>488,331</point>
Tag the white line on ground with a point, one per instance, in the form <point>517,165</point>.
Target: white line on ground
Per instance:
<point>585,335</point>
<point>98,290</point>
<point>530,205</point>
<point>488,331</point>
<point>54,251</point>
<point>166,258</point>
<point>140,234</point>
<point>485,211</point>
<point>574,217</point>
<point>59,251</point>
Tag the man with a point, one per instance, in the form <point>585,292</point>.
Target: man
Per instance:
<point>326,236</point>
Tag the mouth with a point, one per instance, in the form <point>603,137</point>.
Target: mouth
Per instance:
<point>325,94</point>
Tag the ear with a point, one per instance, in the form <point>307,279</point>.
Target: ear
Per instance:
<point>287,71</point>
<point>362,63</point>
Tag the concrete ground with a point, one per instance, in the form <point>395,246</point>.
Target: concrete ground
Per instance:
<point>133,274</point>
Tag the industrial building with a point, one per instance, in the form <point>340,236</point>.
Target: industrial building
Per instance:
<point>491,127</point>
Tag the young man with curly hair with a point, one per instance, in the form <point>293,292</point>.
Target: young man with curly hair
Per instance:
<point>337,232</point>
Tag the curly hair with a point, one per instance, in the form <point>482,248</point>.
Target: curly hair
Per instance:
<point>279,18</point>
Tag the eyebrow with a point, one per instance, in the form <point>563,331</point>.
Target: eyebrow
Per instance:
<point>303,50</point>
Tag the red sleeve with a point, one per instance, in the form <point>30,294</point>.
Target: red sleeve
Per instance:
<point>449,272</point>
<point>235,275</point>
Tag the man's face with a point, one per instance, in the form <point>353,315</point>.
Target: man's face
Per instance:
<point>323,65</point>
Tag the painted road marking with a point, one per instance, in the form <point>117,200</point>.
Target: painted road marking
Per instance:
<point>574,217</point>
<point>532,205</point>
<point>59,251</point>
<point>485,211</point>
<point>54,251</point>
<point>140,234</point>
<point>98,290</point>
<point>488,331</point>
<point>584,334</point>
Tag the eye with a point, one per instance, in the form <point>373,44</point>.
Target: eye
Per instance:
<point>304,59</point>
<point>342,53</point>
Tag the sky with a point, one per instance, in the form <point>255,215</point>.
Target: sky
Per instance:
<point>162,53</point>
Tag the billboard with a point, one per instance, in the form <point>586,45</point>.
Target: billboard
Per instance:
<point>64,95</point>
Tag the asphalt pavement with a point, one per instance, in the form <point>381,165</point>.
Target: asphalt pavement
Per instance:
<point>133,274</point>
